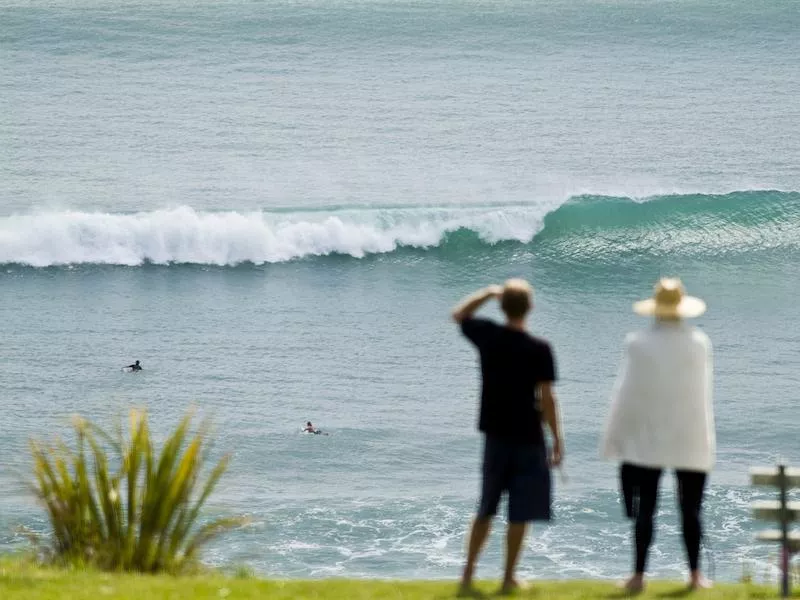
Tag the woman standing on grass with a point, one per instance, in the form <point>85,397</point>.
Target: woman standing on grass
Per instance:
<point>662,418</point>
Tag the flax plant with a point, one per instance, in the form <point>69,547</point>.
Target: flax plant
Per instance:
<point>138,511</point>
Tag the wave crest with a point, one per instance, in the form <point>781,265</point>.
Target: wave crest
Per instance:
<point>583,228</point>
<point>184,235</point>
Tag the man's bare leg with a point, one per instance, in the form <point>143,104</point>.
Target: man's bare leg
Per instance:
<point>477,537</point>
<point>514,537</point>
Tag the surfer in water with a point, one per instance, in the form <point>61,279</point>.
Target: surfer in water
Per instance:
<point>134,367</point>
<point>309,428</point>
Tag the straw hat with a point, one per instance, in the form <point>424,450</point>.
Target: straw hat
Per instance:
<point>670,301</point>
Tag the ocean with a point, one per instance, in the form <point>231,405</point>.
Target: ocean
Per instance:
<point>275,205</point>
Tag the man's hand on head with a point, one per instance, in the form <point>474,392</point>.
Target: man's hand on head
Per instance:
<point>472,303</point>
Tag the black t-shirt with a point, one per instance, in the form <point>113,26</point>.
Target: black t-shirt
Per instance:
<point>513,362</point>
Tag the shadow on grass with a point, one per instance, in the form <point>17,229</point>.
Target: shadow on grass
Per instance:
<point>619,593</point>
<point>480,594</point>
<point>474,594</point>
<point>680,592</point>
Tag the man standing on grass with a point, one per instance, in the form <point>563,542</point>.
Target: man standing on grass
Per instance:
<point>518,372</point>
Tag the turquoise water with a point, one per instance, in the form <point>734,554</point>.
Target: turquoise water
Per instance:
<point>274,206</point>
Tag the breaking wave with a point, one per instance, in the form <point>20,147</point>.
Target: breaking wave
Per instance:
<point>583,227</point>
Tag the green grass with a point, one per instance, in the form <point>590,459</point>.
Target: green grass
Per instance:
<point>22,580</point>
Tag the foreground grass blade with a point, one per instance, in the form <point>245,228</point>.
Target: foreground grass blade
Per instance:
<point>149,526</point>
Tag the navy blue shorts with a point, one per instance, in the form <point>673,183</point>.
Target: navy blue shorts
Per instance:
<point>523,472</point>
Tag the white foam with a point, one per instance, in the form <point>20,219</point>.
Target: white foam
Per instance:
<point>184,235</point>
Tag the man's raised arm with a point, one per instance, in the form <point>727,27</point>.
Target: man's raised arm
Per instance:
<point>473,302</point>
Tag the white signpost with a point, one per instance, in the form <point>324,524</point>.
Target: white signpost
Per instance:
<point>782,511</point>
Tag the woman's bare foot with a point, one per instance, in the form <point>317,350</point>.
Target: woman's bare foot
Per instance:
<point>698,582</point>
<point>634,584</point>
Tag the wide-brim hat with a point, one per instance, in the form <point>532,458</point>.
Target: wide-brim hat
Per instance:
<point>670,301</point>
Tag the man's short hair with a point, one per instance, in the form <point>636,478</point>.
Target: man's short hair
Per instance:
<point>517,298</point>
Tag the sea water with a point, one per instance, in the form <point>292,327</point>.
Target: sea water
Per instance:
<point>274,206</point>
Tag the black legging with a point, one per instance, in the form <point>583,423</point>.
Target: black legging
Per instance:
<point>640,492</point>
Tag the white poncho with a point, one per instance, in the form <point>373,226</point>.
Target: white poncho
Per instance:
<point>661,407</point>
